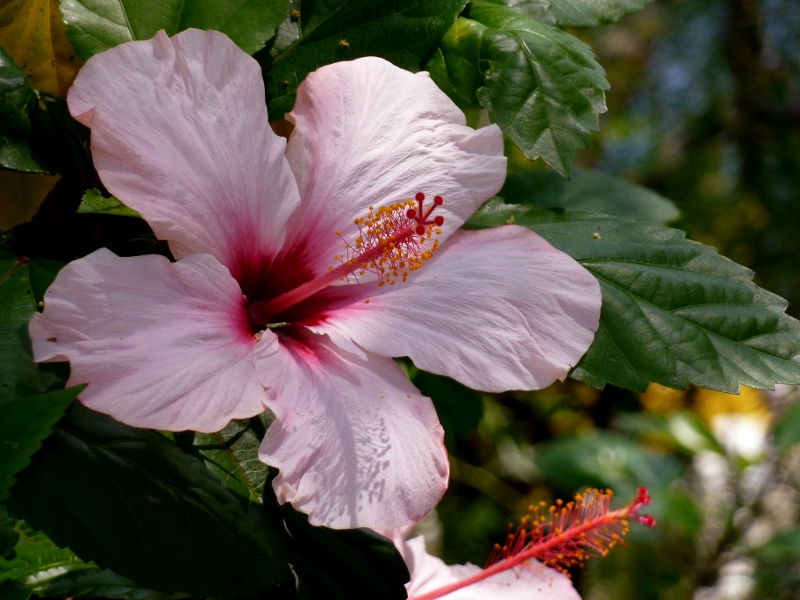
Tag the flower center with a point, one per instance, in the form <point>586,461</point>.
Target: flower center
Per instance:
<point>392,241</point>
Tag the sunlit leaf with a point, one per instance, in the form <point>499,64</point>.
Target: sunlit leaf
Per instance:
<point>36,556</point>
<point>93,202</point>
<point>232,455</point>
<point>33,33</point>
<point>541,85</point>
<point>327,31</point>
<point>96,25</point>
<point>674,311</point>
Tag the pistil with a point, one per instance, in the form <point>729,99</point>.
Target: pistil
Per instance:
<point>392,241</point>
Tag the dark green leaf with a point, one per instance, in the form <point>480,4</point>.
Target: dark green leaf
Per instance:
<point>674,311</point>
<point>8,535</point>
<point>24,423</point>
<point>37,134</point>
<point>787,431</point>
<point>16,99</point>
<point>232,455</point>
<point>401,31</point>
<point>22,286</point>
<point>96,25</point>
<point>93,202</point>
<point>13,590</point>
<point>96,583</point>
<point>36,556</point>
<point>459,408</point>
<point>589,191</point>
<point>343,564</point>
<point>130,500</point>
<point>587,13</point>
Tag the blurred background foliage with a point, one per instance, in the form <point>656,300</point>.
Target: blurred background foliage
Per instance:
<point>704,108</point>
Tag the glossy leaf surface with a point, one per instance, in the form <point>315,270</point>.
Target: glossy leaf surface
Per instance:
<point>130,500</point>
<point>541,85</point>
<point>96,25</point>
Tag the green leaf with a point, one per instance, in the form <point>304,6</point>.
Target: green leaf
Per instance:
<point>541,85</point>
<point>8,535</point>
<point>95,583</point>
<point>43,568</point>
<point>93,202</point>
<point>130,500</point>
<point>24,423</point>
<point>39,559</point>
<point>22,286</point>
<point>454,64</point>
<point>16,98</point>
<point>787,431</point>
<point>589,191</point>
<point>328,31</point>
<point>343,564</point>
<point>232,455</point>
<point>586,13</point>
<point>37,133</point>
<point>96,25</point>
<point>674,311</point>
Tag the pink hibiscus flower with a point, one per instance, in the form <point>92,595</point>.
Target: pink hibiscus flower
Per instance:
<point>532,581</point>
<point>267,233</point>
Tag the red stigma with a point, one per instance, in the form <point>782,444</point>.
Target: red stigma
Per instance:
<point>420,229</point>
<point>411,213</point>
<point>438,201</point>
<point>420,197</point>
<point>568,534</point>
<point>439,221</point>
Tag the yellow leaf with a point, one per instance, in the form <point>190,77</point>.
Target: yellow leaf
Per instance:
<point>21,195</point>
<point>35,36</point>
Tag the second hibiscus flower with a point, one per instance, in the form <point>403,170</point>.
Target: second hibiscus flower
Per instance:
<point>278,297</point>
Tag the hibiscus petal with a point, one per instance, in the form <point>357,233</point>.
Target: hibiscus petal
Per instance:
<point>355,442</point>
<point>180,133</point>
<point>368,133</point>
<point>532,582</point>
<point>499,309</point>
<point>162,345</point>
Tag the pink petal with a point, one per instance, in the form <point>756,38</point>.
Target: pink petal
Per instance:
<point>355,442</point>
<point>368,133</point>
<point>180,133</point>
<point>533,582</point>
<point>162,345</point>
<point>499,309</point>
